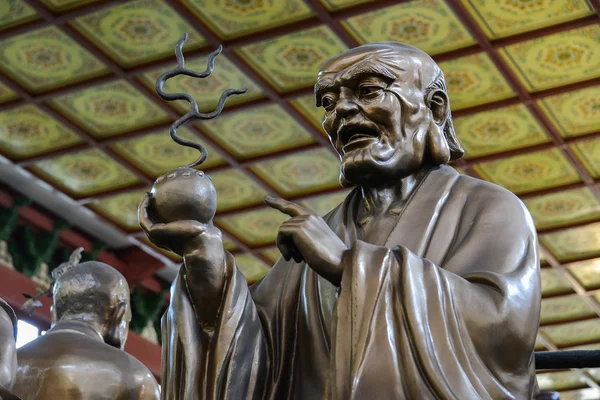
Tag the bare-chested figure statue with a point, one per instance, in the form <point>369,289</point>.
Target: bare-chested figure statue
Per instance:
<point>81,357</point>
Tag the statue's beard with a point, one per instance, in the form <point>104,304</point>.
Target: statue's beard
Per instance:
<point>383,161</point>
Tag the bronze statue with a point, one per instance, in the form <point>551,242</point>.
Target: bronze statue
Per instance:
<point>422,284</point>
<point>8,350</point>
<point>81,356</point>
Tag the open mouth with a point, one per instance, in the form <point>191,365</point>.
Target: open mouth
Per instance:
<point>355,136</point>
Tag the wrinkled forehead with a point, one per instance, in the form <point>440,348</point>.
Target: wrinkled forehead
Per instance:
<point>402,64</point>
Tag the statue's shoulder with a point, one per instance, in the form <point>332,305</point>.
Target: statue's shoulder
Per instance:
<point>484,190</point>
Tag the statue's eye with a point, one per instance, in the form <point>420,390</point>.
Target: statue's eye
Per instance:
<point>327,103</point>
<point>367,90</point>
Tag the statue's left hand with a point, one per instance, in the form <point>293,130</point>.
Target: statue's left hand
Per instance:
<point>307,237</point>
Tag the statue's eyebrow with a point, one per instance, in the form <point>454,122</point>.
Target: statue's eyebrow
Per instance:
<point>360,72</point>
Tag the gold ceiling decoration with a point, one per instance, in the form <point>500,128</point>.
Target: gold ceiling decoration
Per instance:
<point>78,110</point>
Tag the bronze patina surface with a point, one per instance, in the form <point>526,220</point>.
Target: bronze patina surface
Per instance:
<point>8,350</point>
<point>422,284</point>
<point>81,357</point>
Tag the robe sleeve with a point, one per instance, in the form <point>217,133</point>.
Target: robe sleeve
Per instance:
<point>463,329</point>
<point>226,361</point>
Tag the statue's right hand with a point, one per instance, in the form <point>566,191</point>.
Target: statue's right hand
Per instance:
<point>180,237</point>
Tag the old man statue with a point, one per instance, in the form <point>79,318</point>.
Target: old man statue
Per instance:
<point>422,284</point>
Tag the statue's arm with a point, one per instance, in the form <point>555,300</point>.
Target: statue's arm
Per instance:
<point>149,387</point>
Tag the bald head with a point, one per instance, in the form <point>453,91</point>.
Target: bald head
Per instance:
<point>90,290</point>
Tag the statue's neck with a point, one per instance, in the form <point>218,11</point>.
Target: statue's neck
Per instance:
<point>391,198</point>
<point>78,326</point>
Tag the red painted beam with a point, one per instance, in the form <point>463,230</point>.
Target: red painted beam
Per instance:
<point>73,239</point>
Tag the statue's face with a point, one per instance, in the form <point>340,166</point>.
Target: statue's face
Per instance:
<point>375,115</point>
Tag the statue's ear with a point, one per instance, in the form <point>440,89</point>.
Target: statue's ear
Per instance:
<point>112,334</point>
<point>439,104</point>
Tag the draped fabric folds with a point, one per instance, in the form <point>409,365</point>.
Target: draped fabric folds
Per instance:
<point>446,308</point>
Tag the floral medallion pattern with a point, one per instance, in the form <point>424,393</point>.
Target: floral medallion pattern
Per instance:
<point>557,59</point>
<point>138,32</point>
<point>574,113</point>
<point>235,189</point>
<point>15,12</point>
<point>574,243</point>
<point>529,172</point>
<point>47,58</point>
<point>234,18</point>
<point>554,283</point>
<point>499,130</point>
<point>292,61</point>
<point>429,25</point>
<point>258,131</point>
<point>251,267</point>
<point>474,80</point>
<point>110,109</point>
<point>571,206</point>
<point>156,153</point>
<point>207,91</point>
<point>501,18</point>
<point>589,153</point>
<point>122,209</point>
<point>587,273</point>
<point>565,308</point>
<point>574,333</point>
<point>255,228</point>
<point>301,172</point>
<point>28,131</point>
<point>84,173</point>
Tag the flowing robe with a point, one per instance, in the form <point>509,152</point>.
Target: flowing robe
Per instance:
<point>447,308</point>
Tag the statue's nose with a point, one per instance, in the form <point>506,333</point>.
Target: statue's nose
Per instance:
<point>345,108</point>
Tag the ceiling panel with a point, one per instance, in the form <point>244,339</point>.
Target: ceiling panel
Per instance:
<point>251,266</point>
<point>236,189</point>
<point>505,18</point>
<point>121,209</point>
<point>64,5</point>
<point>254,228</point>
<point>302,172</point>
<point>333,5</point>
<point>258,131</point>
<point>138,31</point>
<point>556,59</point>
<point>156,154</point>
<point>587,273</point>
<point>85,173</point>
<point>529,172</point>
<point>306,106</point>
<point>554,283</point>
<point>292,61</point>
<point>575,243</point>
<point>28,131</point>
<point>110,109</point>
<point>230,19</point>
<point>574,113</point>
<point>15,12</point>
<point>564,208</point>
<point>427,24</point>
<point>499,130</point>
<point>46,59</point>
<point>589,153</point>
<point>574,333</point>
<point>474,80</point>
<point>565,308</point>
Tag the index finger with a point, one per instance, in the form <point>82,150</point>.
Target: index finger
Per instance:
<point>143,218</point>
<point>286,207</point>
